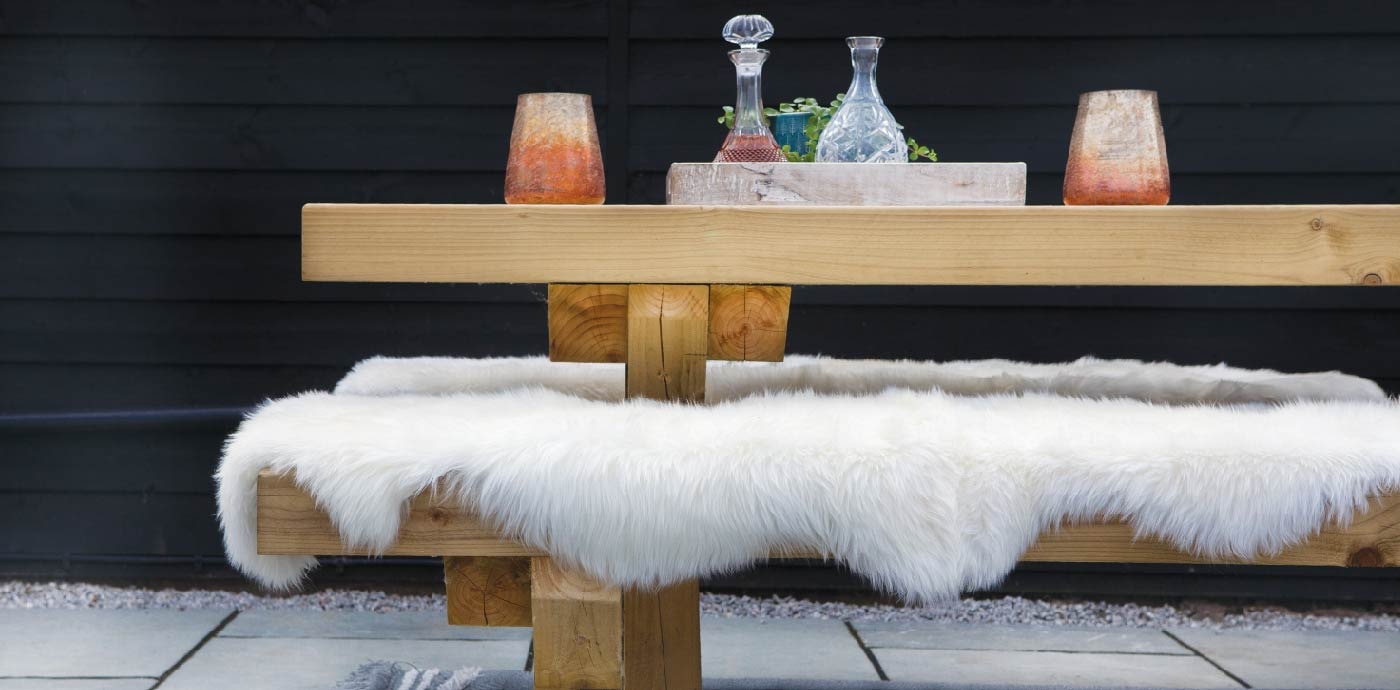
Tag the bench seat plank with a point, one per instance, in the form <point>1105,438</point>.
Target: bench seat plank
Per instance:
<point>289,522</point>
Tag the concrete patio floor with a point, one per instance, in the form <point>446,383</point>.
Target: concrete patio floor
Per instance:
<point>216,650</point>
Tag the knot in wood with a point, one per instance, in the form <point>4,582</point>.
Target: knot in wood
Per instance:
<point>1316,224</point>
<point>1368,557</point>
<point>1372,279</point>
<point>439,516</point>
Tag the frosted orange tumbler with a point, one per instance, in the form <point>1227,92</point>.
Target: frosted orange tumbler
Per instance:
<point>554,153</point>
<point>1118,154</point>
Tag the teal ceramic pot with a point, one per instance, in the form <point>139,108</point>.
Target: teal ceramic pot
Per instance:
<point>788,130</point>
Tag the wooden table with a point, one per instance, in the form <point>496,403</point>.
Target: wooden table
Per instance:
<point>663,289</point>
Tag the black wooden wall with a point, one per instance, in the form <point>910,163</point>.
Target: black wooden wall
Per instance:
<point>154,155</point>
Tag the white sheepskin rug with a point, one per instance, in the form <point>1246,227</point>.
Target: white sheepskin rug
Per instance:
<point>928,479</point>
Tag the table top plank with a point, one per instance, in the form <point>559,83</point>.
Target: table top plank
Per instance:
<point>1032,245</point>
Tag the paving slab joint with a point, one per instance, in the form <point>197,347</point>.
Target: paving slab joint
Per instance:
<point>869,653</point>
<point>195,649</point>
<point>1207,659</point>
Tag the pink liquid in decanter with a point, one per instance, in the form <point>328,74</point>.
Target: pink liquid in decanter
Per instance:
<point>750,148</point>
<point>749,140</point>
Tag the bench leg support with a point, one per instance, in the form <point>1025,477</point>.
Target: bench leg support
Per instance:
<point>578,630</point>
<point>592,637</point>
<point>661,638</point>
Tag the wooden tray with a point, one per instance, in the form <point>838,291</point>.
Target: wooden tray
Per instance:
<point>847,184</point>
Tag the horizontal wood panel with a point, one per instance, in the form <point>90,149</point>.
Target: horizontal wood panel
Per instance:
<point>691,19</point>
<point>203,267</point>
<point>1285,340</point>
<point>1002,72</point>
<point>262,333</point>
<point>1200,139</point>
<point>464,139</point>
<point>433,18</point>
<point>701,19</point>
<point>66,387</point>
<point>1362,342</point>
<point>296,72</point>
<point>991,71</point>
<point>109,523</point>
<point>289,522</point>
<point>1201,245</point>
<point>242,203</point>
<point>1313,139</point>
<point>175,457</point>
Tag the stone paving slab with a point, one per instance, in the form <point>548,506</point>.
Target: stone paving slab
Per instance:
<point>76,683</point>
<point>232,663</point>
<point>1087,670</point>
<point>796,649</point>
<point>1022,638</point>
<point>98,643</point>
<point>1314,659</point>
<point>424,625</point>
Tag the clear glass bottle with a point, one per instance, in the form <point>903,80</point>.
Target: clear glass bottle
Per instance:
<point>750,141</point>
<point>863,130</point>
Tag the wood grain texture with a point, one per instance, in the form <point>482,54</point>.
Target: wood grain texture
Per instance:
<point>667,335</point>
<point>748,323</point>
<point>1371,540</point>
<point>661,638</point>
<point>587,323</point>
<point>1170,245</point>
<point>290,523</point>
<point>838,184</point>
<point>486,590</point>
<point>578,630</point>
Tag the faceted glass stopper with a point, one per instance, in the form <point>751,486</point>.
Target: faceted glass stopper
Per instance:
<point>748,30</point>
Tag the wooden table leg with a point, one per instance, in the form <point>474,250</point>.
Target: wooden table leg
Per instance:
<point>591,637</point>
<point>667,341</point>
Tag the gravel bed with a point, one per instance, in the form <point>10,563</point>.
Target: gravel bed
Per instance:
<point>1001,610</point>
<point>78,595</point>
<point>1021,611</point>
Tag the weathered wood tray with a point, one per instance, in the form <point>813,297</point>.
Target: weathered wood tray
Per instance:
<point>847,184</point>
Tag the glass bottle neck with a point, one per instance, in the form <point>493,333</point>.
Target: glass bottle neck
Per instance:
<point>864,55</point>
<point>748,108</point>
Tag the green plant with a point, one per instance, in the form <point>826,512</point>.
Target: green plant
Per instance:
<point>820,116</point>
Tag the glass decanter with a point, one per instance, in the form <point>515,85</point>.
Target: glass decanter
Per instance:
<point>863,130</point>
<point>750,141</point>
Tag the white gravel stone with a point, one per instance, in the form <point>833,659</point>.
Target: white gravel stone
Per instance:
<point>1002,610</point>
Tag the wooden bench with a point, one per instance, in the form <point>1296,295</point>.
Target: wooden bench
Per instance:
<point>663,289</point>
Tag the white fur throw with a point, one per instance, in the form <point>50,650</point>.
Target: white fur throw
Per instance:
<point>923,492</point>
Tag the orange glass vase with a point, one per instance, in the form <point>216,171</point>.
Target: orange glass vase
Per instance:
<point>554,153</point>
<point>1118,154</point>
